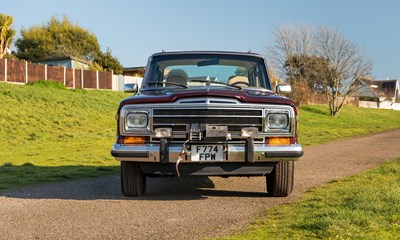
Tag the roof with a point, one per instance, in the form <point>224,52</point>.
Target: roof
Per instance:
<point>377,88</point>
<point>134,71</point>
<point>207,52</point>
<point>60,59</point>
<point>134,68</point>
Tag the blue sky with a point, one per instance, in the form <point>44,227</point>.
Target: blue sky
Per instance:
<point>136,29</point>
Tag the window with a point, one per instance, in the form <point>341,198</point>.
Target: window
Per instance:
<point>199,70</point>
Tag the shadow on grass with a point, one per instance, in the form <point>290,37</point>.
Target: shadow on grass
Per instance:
<point>322,111</point>
<point>92,183</point>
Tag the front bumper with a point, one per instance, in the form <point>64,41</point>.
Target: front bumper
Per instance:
<point>234,153</point>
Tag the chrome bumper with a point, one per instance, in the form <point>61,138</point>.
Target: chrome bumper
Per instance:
<point>235,153</point>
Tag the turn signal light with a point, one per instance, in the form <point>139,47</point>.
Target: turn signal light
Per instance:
<point>279,141</point>
<point>134,140</point>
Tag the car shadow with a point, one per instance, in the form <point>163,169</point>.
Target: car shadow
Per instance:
<point>108,188</point>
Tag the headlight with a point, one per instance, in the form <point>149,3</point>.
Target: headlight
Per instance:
<point>280,121</point>
<point>134,120</point>
<point>277,121</point>
<point>137,120</point>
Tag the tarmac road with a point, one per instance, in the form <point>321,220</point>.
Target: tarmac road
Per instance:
<point>186,208</point>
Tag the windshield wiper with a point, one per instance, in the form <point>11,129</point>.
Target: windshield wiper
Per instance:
<point>170,83</point>
<point>208,81</point>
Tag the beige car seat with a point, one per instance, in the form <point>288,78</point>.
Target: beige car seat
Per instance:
<point>181,80</point>
<point>240,81</point>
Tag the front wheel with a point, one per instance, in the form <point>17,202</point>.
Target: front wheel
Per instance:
<point>280,180</point>
<point>133,181</point>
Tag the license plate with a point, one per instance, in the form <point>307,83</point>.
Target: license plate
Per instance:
<point>207,153</point>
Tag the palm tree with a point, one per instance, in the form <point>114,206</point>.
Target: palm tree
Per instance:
<point>6,33</point>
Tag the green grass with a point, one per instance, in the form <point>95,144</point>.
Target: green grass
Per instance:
<point>316,126</point>
<point>27,174</point>
<point>48,84</point>
<point>46,125</point>
<point>58,132</point>
<point>364,206</point>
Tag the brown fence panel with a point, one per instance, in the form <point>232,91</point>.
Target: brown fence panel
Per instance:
<point>2,70</point>
<point>55,74</point>
<point>16,71</point>
<point>78,78</point>
<point>105,80</point>
<point>36,72</point>
<point>89,79</point>
<point>69,77</point>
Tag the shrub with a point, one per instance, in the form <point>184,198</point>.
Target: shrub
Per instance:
<point>301,93</point>
<point>48,84</point>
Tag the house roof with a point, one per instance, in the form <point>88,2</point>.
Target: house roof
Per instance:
<point>60,59</point>
<point>379,88</point>
<point>134,71</point>
<point>134,68</point>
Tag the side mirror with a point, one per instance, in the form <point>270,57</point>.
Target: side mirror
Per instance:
<point>131,88</point>
<point>283,88</point>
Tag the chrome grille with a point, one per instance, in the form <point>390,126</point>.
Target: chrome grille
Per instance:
<point>207,112</point>
<point>180,119</point>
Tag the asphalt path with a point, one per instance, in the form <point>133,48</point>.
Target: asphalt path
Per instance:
<point>185,208</point>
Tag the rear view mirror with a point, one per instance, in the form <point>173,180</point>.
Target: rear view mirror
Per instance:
<point>208,62</point>
<point>283,88</point>
<point>131,88</point>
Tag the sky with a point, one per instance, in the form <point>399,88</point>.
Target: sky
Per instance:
<point>134,30</point>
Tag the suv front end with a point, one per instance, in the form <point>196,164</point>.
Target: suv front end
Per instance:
<point>207,127</point>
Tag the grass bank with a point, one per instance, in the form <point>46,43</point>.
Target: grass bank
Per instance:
<point>49,133</point>
<point>364,206</point>
<point>316,126</point>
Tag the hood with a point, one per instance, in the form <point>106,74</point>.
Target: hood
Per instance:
<point>250,95</point>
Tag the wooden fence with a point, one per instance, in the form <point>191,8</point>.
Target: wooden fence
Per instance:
<point>24,72</point>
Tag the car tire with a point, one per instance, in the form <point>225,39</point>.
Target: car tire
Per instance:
<point>133,180</point>
<point>280,180</point>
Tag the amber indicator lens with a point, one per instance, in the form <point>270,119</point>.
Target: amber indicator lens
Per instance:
<point>134,140</point>
<point>279,140</point>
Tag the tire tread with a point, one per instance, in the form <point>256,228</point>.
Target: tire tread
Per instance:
<point>280,180</point>
<point>133,181</point>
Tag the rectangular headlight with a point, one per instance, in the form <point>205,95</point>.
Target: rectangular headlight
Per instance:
<point>280,121</point>
<point>137,120</point>
<point>134,120</point>
<point>277,121</point>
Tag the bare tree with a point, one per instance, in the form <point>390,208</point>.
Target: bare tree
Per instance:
<point>321,58</point>
<point>347,65</point>
<point>292,55</point>
<point>290,41</point>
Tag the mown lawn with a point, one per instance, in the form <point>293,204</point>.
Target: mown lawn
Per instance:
<point>49,134</point>
<point>316,126</point>
<point>364,206</point>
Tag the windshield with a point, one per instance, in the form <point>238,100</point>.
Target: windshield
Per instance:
<point>199,71</point>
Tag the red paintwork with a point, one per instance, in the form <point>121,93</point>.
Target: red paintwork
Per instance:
<point>167,97</point>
